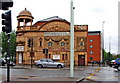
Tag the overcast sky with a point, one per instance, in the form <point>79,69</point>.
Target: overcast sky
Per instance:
<point>90,12</point>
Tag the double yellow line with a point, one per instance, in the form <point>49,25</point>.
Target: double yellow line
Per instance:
<point>92,73</point>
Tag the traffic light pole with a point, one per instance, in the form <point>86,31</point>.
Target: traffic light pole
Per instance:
<point>32,53</point>
<point>8,60</point>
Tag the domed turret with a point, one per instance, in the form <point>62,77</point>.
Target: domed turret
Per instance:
<point>25,16</point>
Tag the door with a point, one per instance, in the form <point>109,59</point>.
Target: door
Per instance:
<point>20,58</point>
<point>81,60</point>
<point>51,63</point>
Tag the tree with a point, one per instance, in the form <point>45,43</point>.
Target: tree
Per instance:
<point>4,43</point>
<point>106,56</point>
<point>4,40</point>
<point>118,56</point>
<point>13,45</point>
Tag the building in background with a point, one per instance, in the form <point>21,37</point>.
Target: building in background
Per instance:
<point>94,46</point>
<point>54,34</point>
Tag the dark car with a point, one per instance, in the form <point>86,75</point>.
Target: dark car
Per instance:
<point>112,63</point>
<point>117,64</point>
<point>3,62</point>
<point>48,63</point>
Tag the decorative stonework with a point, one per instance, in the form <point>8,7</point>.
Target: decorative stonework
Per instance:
<point>81,44</point>
<point>56,43</point>
<point>56,26</point>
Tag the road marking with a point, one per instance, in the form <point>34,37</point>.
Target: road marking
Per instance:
<point>92,73</point>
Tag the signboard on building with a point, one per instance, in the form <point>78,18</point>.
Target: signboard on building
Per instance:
<point>56,57</point>
<point>20,48</point>
<point>56,33</point>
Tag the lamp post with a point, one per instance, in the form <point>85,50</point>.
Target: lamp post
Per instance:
<point>102,41</point>
<point>109,48</point>
<point>72,40</point>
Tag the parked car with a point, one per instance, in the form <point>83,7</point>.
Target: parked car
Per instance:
<point>112,63</point>
<point>12,63</point>
<point>48,63</point>
<point>4,62</point>
<point>117,64</point>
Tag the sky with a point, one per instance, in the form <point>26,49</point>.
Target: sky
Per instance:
<point>90,12</point>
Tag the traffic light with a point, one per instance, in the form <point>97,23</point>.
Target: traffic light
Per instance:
<point>6,21</point>
<point>29,43</point>
<point>6,4</point>
<point>44,51</point>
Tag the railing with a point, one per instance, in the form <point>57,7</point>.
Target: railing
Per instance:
<point>26,28</point>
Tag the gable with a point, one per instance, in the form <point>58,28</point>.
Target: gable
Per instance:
<point>55,25</point>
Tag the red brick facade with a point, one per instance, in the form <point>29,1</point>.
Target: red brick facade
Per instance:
<point>94,46</point>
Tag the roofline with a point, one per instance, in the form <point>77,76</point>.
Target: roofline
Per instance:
<point>94,32</point>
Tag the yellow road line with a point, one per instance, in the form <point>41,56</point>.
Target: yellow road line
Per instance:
<point>92,73</point>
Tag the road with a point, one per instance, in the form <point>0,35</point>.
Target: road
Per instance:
<point>88,72</point>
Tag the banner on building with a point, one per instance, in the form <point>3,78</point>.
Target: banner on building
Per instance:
<point>20,48</point>
<point>56,57</point>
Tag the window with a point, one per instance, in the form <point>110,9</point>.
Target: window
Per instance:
<point>91,46</point>
<point>49,56</point>
<point>91,58</point>
<point>66,56</point>
<point>62,56</point>
<point>91,52</point>
<point>118,60</point>
<point>40,43</point>
<point>50,44</point>
<point>49,60</point>
<point>81,43</point>
<point>62,43</point>
<point>91,40</point>
<point>43,60</point>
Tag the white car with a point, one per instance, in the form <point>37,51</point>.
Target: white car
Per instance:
<point>48,63</point>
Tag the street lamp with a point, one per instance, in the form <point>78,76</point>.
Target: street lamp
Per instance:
<point>72,40</point>
<point>102,42</point>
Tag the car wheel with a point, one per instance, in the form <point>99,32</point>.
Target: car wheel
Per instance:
<point>39,66</point>
<point>59,66</point>
<point>119,68</point>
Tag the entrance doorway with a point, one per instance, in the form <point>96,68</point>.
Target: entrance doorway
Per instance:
<point>20,58</point>
<point>81,60</point>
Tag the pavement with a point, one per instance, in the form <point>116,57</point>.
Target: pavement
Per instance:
<point>37,79</point>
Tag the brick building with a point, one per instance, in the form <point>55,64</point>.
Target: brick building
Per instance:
<point>53,34</point>
<point>94,46</point>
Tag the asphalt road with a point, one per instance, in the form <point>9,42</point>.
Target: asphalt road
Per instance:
<point>88,72</point>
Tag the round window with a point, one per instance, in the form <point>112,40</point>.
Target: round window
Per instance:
<point>62,43</point>
<point>81,43</point>
<point>50,44</point>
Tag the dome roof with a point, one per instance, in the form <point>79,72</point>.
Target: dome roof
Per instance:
<point>25,13</point>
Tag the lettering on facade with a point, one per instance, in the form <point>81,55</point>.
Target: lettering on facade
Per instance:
<point>56,57</point>
<point>56,33</point>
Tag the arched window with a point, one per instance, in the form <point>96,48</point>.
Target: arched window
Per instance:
<point>81,43</point>
<point>62,43</point>
<point>50,44</point>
